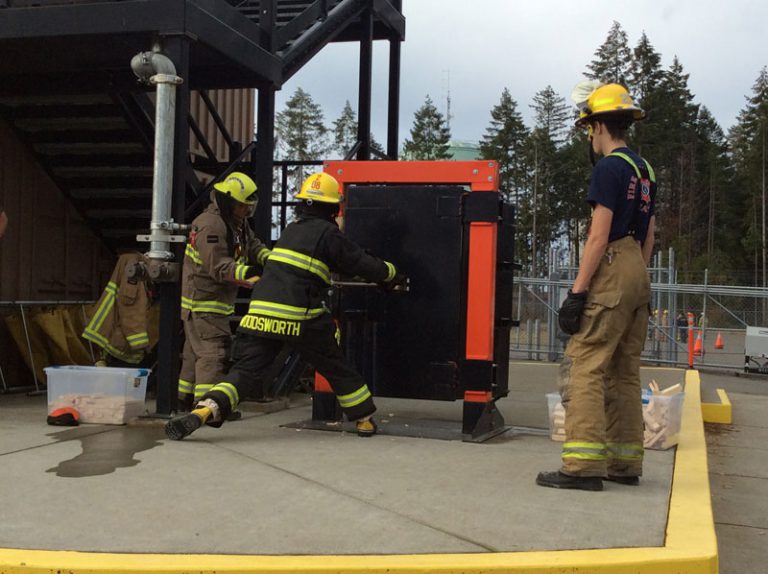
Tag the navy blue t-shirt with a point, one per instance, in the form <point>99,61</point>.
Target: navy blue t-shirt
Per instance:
<point>615,184</point>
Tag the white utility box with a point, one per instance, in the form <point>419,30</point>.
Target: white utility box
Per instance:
<point>756,350</point>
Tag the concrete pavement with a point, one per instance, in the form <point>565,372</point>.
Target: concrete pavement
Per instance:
<point>255,487</point>
<point>738,470</point>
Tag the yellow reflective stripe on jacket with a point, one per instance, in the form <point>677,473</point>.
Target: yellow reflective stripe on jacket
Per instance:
<point>106,305</point>
<point>186,387</point>
<point>230,391</point>
<point>240,272</point>
<point>302,261</point>
<point>281,311</point>
<point>263,255</point>
<point>193,254</point>
<point>138,339</point>
<point>103,342</point>
<point>584,450</point>
<point>625,450</point>
<point>207,306</point>
<point>354,399</point>
<point>631,162</point>
<point>391,271</point>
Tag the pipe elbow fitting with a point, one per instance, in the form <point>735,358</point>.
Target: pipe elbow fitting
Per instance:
<point>148,64</point>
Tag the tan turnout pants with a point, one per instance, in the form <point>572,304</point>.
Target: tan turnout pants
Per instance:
<point>205,356</point>
<point>600,383</point>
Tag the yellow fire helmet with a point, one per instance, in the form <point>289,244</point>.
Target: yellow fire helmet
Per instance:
<point>607,99</point>
<point>239,187</point>
<point>320,187</point>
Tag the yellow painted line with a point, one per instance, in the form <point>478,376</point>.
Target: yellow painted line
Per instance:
<point>721,412</point>
<point>690,546</point>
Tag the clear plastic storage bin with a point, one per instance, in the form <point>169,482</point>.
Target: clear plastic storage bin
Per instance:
<point>556,417</point>
<point>662,418</point>
<point>104,395</point>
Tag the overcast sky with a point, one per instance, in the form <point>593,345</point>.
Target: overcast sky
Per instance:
<point>479,47</point>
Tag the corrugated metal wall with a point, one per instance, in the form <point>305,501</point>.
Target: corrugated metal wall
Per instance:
<point>47,254</point>
<point>48,251</point>
<point>236,108</point>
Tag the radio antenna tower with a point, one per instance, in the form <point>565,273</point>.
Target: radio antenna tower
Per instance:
<point>447,87</point>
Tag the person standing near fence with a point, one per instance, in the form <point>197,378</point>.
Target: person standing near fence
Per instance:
<point>606,311</point>
<point>682,327</point>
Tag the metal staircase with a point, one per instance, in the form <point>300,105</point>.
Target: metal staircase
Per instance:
<point>99,159</point>
<point>95,136</point>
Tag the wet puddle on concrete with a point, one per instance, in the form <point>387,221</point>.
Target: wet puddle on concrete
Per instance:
<point>106,451</point>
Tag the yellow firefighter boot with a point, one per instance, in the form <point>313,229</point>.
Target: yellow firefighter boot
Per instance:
<point>366,427</point>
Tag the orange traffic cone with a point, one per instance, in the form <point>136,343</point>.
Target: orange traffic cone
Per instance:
<point>719,342</point>
<point>697,345</point>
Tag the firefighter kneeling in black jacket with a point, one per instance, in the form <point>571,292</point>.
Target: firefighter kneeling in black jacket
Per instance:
<point>287,307</point>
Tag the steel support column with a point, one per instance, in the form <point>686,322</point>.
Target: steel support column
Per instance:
<point>364,92</point>
<point>265,143</point>
<point>263,155</point>
<point>168,349</point>
<point>393,102</point>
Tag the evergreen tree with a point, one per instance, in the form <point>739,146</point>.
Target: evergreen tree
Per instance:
<point>345,130</point>
<point>345,133</point>
<point>551,115</point>
<point>505,140</point>
<point>673,157</point>
<point>646,84</point>
<point>646,73</point>
<point>300,129</point>
<point>749,139</point>
<point>712,246</point>
<point>429,135</point>
<point>300,133</point>
<point>613,59</point>
<point>571,184</point>
<point>542,154</point>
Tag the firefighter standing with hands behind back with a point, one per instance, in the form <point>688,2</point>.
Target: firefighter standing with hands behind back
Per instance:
<point>222,255</point>
<point>606,311</point>
<point>288,306</point>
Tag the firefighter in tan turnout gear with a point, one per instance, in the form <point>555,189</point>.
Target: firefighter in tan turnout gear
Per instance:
<point>606,311</point>
<point>222,255</point>
<point>288,306</point>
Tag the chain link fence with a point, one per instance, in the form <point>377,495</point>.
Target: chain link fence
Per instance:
<point>721,316</point>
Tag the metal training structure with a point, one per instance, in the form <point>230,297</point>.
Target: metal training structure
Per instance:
<point>71,97</point>
<point>446,226</point>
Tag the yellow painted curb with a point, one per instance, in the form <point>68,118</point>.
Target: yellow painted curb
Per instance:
<point>690,547</point>
<point>718,412</point>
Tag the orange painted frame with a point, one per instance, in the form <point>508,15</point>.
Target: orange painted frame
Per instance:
<point>481,281</point>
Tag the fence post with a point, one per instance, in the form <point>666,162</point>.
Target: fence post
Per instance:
<point>529,333</point>
<point>537,328</point>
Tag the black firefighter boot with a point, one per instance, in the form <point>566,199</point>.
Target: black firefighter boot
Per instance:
<point>557,479</point>
<point>184,425</point>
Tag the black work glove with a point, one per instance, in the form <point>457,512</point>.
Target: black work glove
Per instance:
<point>569,317</point>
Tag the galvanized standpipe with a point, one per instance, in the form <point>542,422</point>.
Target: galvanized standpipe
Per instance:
<point>157,69</point>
